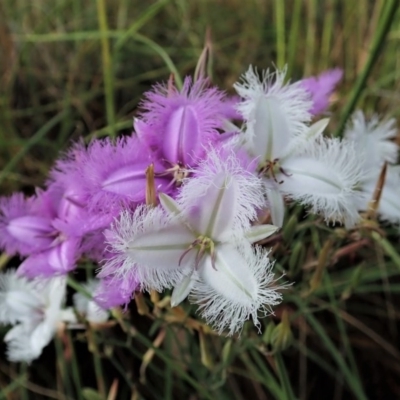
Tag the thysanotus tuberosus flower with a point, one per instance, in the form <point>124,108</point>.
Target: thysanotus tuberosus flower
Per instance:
<point>178,126</point>
<point>199,239</point>
<point>35,310</point>
<point>294,159</point>
<point>200,244</point>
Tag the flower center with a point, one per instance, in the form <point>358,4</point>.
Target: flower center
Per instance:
<point>179,172</point>
<point>271,168</point>
<point>202,245</point>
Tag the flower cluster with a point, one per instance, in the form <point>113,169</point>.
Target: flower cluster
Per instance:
<point>176,204</point>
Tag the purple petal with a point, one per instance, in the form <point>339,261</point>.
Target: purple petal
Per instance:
<point>182,136</point>
<point>179,124</point>
<point>113,292</point>
<point>321,87</point>
<point>60,259</point>
<point>34,231</point>
<point>130,181</point>
<point>113,175</point>
<point>21,217</point>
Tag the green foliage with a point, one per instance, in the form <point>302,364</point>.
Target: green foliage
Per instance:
<point>71,68</point>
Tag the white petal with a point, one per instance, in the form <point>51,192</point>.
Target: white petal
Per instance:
<point>27,339</point>
<point>54,289</point>
<point>215,213</point>
<point>276,206</point>
<point>18,297</point>
<point>95,313</point>
<point>373,138</point>
<point>325,178</point>
<point>307,175</point>
<point>271,131</point>
<point>182,290</point>
<point>274,112</point>
<point>88,307</point>
<point>19,344</point>
<point>42,336</point>
<point>161,249</point>
<point>389,204</point>
<point>222,196</point>
<point>235,290</point>
<point>68,315</point>
<point>150,246</point>
<point>231,276</point>
<point>260,232</point>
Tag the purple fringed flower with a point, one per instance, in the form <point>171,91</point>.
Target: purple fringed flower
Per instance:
<point>112,176</point>
<point>321,87</point>
<point>62,210</point>
<point>178,126</point>
<point>23,228</point>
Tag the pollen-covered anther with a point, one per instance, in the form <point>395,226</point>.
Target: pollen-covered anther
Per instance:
<point>178,171</point>
<point>271,168</point>
<point>203,244</point>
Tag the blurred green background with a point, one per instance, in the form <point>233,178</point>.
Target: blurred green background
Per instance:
<point>73,68</point>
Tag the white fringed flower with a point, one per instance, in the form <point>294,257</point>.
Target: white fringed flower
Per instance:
<point>36,309</point>
<point>201,241</point>
<point>88,307</point>
<point>294,159</point>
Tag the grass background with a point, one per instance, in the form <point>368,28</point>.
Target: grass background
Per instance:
<point>72,68</point>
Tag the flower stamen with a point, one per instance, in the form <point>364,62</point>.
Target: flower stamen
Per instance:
<point>203,244</point>
<point>270,169</point>
<point>178,171</point>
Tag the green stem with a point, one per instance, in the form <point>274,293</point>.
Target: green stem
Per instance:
<point>107,66</point>
<point>280,32</point>
<point>75,369</point>
<point>351,380</point>
<point>79,288</point>
<point>62,365</point>
<point>386,19</point>
<point>284,377</point>
<point>327,34</point>
<point>294,35</point>
<point>342,327</point>
<point>98,368</point>
<point>309,61</point>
